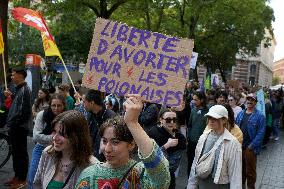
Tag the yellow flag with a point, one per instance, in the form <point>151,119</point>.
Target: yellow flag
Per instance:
<point>1,40</point>
<point>50,48</point>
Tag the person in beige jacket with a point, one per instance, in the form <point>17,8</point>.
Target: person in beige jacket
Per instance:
<point>226,171</point>
<point>62,162</point>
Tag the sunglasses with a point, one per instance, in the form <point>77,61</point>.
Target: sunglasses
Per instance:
<point>170,120</point>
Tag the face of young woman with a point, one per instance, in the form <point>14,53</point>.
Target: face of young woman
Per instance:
<point>197,101</point>
<point>60,142</point>
<point>214,124</point>
<point>57,106</point>
<point>169,120</point>
<point>232,101</point>
<point>41,94</point>
<point>115,151</point>
<point>221,100</point>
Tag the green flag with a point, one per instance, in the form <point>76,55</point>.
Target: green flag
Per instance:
<point>207,82</point>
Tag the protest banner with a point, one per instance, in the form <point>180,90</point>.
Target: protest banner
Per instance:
<point>125,60</point>
<point>214,80</point>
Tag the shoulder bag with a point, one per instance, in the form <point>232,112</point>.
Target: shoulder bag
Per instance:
<point>205,163</point>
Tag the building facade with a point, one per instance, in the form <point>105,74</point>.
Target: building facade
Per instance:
<point>253,70</point>
<point>278,69</point>
<point>256,70</point>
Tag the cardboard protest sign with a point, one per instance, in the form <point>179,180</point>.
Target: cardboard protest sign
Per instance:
<point>214,80</point>
<point>234,83</point>
<point>126,60</point>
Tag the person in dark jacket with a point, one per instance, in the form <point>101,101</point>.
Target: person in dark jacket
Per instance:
<point>18,120</point>
<point>196,125</point>
<point>97,115</point>
<point>5,103</point>
<point>168,137</point>
<point>269,121</point>
<point>277,111</point>
<point>149,116</point>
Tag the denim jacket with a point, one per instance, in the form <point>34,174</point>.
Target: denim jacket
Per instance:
<point>256,128</point>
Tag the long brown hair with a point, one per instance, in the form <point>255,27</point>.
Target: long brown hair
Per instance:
<point>231,118</point>
<point>75,128</point>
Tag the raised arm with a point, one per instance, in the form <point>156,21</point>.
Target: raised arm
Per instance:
<point>133,106</point>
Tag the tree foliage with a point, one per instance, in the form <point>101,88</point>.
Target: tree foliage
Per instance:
<point>220,28</point>
<point>223,28</point>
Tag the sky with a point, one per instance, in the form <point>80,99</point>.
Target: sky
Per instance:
<point>278,25</point>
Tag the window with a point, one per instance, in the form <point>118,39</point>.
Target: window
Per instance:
<point>252,81</point>
<point>253,69</point>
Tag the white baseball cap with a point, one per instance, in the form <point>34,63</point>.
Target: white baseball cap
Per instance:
<point>217,112</point>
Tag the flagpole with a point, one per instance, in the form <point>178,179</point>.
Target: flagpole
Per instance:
<point>4,69</point>
<point>68,75</point>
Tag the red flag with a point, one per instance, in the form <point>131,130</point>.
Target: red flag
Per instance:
<point>34,19</point>
<point>29,17</point>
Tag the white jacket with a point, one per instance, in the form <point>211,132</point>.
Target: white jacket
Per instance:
<point>39,126</point>
<point>229,167</point>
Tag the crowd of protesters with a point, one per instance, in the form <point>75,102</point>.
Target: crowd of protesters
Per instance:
<point>94,140</point>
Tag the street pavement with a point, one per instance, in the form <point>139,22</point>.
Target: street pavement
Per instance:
<point>270,167</point>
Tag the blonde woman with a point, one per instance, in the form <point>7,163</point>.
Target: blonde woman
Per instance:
<point>218,155</point>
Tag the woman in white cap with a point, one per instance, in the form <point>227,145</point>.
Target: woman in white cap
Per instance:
<point>218,155</point>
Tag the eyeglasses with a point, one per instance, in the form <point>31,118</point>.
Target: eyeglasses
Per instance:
<point>170,120</point>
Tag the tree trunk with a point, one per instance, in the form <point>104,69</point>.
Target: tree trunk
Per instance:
<point>4,19</point>
<point>147,15</point>
<point>222,72</point>
<point>103,9</point>
<point>160,16</point>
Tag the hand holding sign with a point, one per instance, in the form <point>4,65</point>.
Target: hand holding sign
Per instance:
<point>133,106</point>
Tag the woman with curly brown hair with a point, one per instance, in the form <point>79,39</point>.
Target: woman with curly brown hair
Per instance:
<point>62,162</point>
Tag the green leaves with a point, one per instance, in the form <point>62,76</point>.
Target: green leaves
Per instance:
<point>220,28</point>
